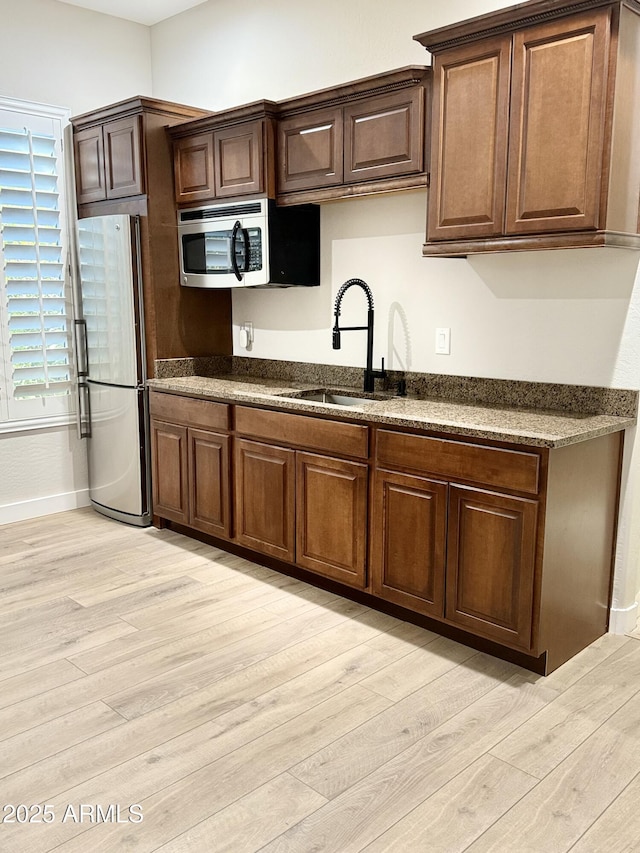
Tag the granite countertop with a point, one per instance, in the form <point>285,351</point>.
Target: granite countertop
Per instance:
<point>513,424</point>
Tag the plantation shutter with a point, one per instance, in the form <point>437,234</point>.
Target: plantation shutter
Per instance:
<point>35,305</point>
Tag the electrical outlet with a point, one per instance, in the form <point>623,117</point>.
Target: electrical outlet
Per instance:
<point>443,341</point>
<point>246,335</point>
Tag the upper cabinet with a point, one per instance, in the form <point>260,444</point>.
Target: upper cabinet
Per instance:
<point>110,147</point>
<point>123,164</point>
<point>363,137</point>
<point>310,148</point>
<point>532,144</point>
<point>225,154</point>
<point>193,167</point>
<point>109,162</point>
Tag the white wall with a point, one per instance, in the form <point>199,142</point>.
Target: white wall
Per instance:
<point>42,471</point>
<point>224,53</point>
<point>558,316</point>
<point>54,53</point>
<point>565,316</point>
<point>60,54</point>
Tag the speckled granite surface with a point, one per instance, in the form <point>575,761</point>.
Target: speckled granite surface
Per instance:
<point>507,393</point>
<point>213,365</point>
<point>530,425</point>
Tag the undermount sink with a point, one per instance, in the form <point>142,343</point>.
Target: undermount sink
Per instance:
<point>334,399</point>
<point>327,395</point>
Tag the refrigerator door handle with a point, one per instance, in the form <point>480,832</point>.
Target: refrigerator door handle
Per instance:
<point>84,410</point>
<point>82,353</point>
<point>141,353</point>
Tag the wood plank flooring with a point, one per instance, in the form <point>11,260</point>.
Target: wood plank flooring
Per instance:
<point>240,710</point>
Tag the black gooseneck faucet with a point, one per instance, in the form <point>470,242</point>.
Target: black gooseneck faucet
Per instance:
<point>369,374</point>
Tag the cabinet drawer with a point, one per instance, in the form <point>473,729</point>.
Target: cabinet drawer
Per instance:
<point>187,410</point>
<point>453,460</point>
<point>302,431</point>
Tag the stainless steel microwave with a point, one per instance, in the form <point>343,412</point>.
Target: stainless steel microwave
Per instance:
<point>249,244</point>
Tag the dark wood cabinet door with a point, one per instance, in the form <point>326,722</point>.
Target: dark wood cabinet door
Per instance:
<point>193,168</point>
<point>265,498</point>
<point>89,165</point>
<point>557,125</point>
<point>124,167</point>
<point>491,564</point>
<point>169,469</point>
<point>331,517</point>
<point>469,140</point>
<point>209,486</point>
<point>310,151</point>
<point>384,136</point>
<point>409,541</point>
<point>238,160</point>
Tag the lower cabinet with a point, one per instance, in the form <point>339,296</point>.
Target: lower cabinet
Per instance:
<point>331,517</point>
<point>191,471</point>
<point>510,544</point>
<point>450,551</point>
<point>303,506</point>
<point>265,498</point>
<point>209,482</point>
<point>408,541</point>
<point>491,551</point>
<point>291,503</point>
<point>169,470</point>
<point>456,552</point>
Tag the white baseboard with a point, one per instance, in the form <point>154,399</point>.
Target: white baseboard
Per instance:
<point>623,619</point>
<point>24,510</point>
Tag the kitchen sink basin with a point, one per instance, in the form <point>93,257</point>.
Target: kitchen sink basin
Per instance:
<point>331,396</point>
<point>334,399</point>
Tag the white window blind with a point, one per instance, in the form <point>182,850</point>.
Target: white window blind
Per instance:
<point>35,294</point>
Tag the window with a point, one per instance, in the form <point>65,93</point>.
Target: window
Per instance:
<point>35,292</point>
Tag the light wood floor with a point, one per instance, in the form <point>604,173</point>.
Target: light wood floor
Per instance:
<point>245,711</point>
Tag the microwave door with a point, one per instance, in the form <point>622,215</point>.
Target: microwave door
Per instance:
<point>206,252</point>
<point>226,252</point>
<point>214,258</point>
<point>217,253</point>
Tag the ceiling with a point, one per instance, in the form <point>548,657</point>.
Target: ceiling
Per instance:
<point>146,12</point>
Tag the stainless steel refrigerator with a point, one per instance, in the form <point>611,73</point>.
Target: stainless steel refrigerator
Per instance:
<point>112,367</point>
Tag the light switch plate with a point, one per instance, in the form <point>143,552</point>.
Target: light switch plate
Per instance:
<point>443,341</point>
